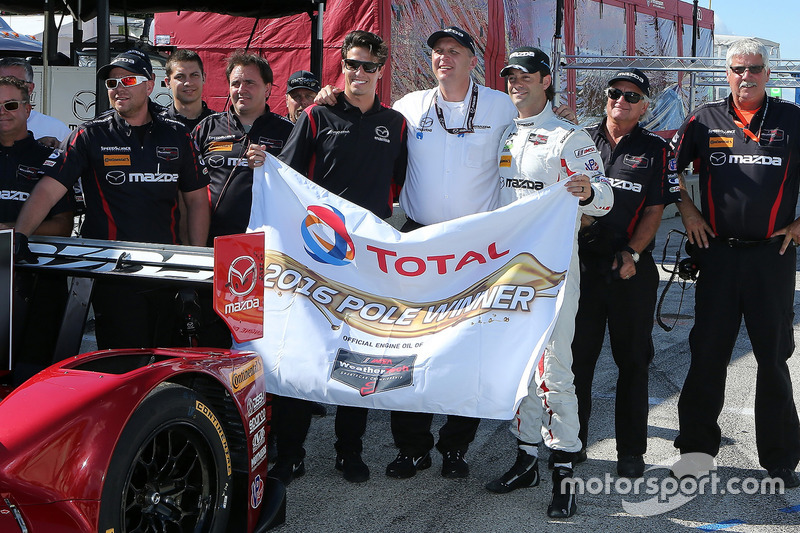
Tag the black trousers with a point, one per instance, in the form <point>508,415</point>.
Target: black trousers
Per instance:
<point>759,284</point>
<point>412,432</point>
<point>627,306</point>
<point>291,418</point>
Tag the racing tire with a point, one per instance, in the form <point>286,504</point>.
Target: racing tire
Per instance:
<point>170,470</point>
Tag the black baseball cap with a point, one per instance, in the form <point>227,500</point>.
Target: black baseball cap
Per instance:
<point>635,76</point>
<point>134,61</point>
<point>464,38</point>
<point>528,59</point>
<point>302,79</point>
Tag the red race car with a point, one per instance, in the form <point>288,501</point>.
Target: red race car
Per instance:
<point>139,440</point>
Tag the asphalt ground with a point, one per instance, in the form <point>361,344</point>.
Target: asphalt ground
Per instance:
<point>321,501</point>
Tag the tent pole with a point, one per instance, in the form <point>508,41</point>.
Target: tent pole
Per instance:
<point>316,39</point>
<point>103,53</point>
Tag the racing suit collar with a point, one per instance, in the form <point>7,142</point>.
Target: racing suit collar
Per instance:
<point>20,144</point>
<point>602,129</point>
<point>465,101</point>
<point>343,104</point>
<point>266,115</point>
<point>757,117</point>
<point>153,108</point>
<point>544,115</point>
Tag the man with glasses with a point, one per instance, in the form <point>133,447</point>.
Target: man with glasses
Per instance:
<point>745,231</point>
<point>619,278</point>
<point>46,129</point>
<point>539,150</point>
<point>134,165</point>
<point>40,298</point>
<point>356,149</point>
<point>224,138</point>
<point>185,78</point>
<point>301,89</point>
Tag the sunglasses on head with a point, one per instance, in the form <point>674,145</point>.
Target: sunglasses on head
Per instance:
<point>630,96</point>
<point>754,69</point>
<point>368,66</point>
<point>13,105</point>
<point>126,81</point>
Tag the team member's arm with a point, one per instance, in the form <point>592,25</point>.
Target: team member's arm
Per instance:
<point>400,165</point>
<point>698,230</point>
<point>198,215</point>
<point>36,208</point>
<point>327,95</point>
<point>583,169</point>
<point>300,145</point>
<point>790,233</point>
<point>643,234</point>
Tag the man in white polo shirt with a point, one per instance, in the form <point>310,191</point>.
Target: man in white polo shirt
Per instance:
<point>453,133</point>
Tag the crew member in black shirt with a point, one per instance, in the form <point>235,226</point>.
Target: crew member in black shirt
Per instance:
<point>134,164</point>
<point>224,138</point>
<point>619,278</point>
<point>748,146</point>
<point>357,150</point>
<point>185,78</point>
<point>39,298</point>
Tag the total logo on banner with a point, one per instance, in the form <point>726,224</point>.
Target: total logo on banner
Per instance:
<point>239,284</point>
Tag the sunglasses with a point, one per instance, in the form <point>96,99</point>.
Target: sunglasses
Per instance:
<point>754,69</point>
<point>13,105</point>
<point>127,81</point>
<point>630,96</point>
<point>368,66</point>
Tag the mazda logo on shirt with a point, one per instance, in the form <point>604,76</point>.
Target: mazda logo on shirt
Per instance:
<point>382,131</point>
<point>718,158</point>
<point>216,160</point>
<point>116,177</point>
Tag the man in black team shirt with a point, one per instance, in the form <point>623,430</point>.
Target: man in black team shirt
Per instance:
<point>134,164</point>
<point>185,78</point>
<point>363,162</point>
<point>749,151</point>
<point>23,161</point>
<point>223,139</point>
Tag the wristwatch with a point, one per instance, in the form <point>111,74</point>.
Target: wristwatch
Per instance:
<point>634,253</point>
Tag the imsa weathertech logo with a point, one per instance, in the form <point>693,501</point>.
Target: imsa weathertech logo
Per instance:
<point>243,376</point>
<point>369,374</point>
<point>200,406</point>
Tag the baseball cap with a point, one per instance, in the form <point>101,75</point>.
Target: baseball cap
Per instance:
<point>635,76</point>
<point>134,61</point>
<point>527,59</point>
<point>464,38</point>
<point>302,79</point>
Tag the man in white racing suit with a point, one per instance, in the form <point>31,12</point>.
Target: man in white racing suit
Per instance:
<point>538,150</point>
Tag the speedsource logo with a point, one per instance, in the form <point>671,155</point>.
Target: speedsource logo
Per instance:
<point>324,233</point>
<point>242,275</point>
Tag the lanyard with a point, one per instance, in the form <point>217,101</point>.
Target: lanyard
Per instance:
<point>739,120</point>
<point>473,107</point>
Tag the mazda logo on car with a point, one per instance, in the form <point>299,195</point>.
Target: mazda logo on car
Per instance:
<point>242,275</point>
<point>115,177</point>
<point>718,158</point>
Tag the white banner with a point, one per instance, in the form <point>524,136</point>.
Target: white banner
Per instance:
<point>451,318</point>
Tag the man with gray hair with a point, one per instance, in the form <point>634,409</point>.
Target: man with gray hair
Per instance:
<point>46,129</point>
<point>745,234</point>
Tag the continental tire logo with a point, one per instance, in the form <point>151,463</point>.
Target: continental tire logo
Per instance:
<point>200,406</point>
<point>242,275</point>
<point>243,376</point>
